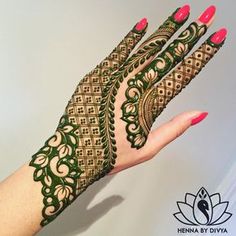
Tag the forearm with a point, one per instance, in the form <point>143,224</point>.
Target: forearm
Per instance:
<point>21,203</point>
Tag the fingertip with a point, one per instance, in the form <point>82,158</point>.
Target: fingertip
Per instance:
<point>182,14</point>
<point>142,24</point>
<point>219,36</point>
<point>208,15</point>
<point>199,118</point>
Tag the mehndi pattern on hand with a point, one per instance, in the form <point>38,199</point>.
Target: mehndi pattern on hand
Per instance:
<point>83,148</point>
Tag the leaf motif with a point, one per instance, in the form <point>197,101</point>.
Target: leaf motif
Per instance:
<point>73,140</point>
<point>139,83</point>
<point>130,108</point>
<point>70,180</point>
<point>41,159</point>
<point>38,173</point>
<point>48,180</point>
<point>138,140</point>
<point>64,150</point>
<point>67,128</point>
<point>130,118</point>
<point>46,148</point>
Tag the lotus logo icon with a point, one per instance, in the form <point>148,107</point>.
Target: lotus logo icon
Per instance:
<point>202,209</point>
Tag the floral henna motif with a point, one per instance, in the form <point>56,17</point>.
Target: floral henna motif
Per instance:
<point>146,101</point>
<point>57,168</point>
<point>137,109</point>
<point>83,148</point>
<point>106,114</point>
<point>177,80</point>
<point>73,158</point>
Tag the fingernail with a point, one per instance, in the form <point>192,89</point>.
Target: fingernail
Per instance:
<point>207,15</point>
<point>219,36</point>
<point>141,24</point>
<point>199,118</point>
<point>182,13</point>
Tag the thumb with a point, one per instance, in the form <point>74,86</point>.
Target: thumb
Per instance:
<point>171,130</point>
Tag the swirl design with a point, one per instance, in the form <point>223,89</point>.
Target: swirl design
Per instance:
<point>139,109</point>
<point>135,88</point>
<point>57,168</point>
<point>83,148</point>
<point>73,158</point>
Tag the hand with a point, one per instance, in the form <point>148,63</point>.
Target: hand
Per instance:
<point>106,125</point>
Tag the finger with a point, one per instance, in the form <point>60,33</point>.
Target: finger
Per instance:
<point>142,108</point>
<point>178,79</point>
<point>171,130</point>
<point>180,47</point>
<point>120,53</point>
<point>155,42</point>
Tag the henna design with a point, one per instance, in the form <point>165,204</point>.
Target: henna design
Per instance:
<point>138,93</point>
<point>178,79</point>
<point>152,101</point>
<point>83,148</point>
<point>106,114</point>
<point>57,169</point>
<point>73,158</point>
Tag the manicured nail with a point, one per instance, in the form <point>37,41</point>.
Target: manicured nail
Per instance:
<point>199,118</point>
<point>182,13</point>
<point>207,15</point>
<point>141,24</point>
<point>219,36</point>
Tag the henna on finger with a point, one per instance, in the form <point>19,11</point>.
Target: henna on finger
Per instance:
<point>153,100</point>
<point>142,82</point>
<point>138,60</point>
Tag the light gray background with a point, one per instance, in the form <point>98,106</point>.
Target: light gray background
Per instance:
<point>47,46</point>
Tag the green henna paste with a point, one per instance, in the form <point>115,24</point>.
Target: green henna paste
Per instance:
<point>106,114</point>
<point>58,170</point>
<point>73,158</point>
<point>145,101</point>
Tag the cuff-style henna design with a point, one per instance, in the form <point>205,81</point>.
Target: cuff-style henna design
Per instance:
<point>73,157</point>
<point>57,168</point>
<point>137,126</point>
<point>150,103</point>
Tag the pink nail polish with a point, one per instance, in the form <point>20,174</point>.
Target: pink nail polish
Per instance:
<point>141,24</point>
<point>182,13</point>
<point>219,36</point>
<point>207,15</point>
<point>199,118</point>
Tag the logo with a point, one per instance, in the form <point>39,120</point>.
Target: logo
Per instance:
<point>201,210</point>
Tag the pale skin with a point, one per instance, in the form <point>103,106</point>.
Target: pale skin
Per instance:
<point>21,201</point>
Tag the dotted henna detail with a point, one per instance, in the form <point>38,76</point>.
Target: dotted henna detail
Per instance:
<point>106,114</point>
<point>136,110</point>
<point>153,101</point>
<point>82,151</point>
<point>73,157</point>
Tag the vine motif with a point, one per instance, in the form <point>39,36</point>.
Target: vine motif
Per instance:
<point>58,164</point>
<point>57,168</point>
<point>72,159</point>
<point>137,110</point>
<point>106,112</point>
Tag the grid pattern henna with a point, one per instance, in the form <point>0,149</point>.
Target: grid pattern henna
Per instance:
<point>73,157</point>
<point>156,99</point>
